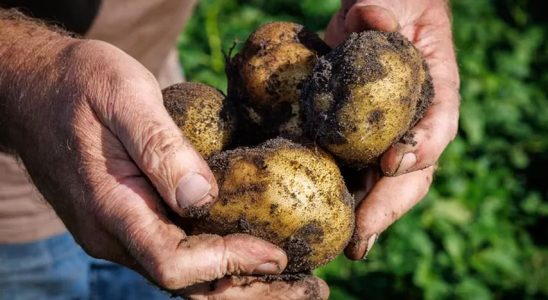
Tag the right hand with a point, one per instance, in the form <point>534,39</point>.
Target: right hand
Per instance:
<point>408,167</point>
<point>98,143</point>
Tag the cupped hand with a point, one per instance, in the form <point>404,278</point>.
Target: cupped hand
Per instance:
<point>406,168</point>
<point>100,146</point>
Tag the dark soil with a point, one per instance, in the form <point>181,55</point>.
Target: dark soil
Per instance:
<point>408,138</point>
<point>332,78</point>
<point>298,248</point>
<point>427,95</point>
<point>284,277</point>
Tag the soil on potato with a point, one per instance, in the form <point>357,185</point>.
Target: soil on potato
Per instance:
<point>284,277</point>
<point>427,95</point>
<point>304,281</point>
<point>335,73</point>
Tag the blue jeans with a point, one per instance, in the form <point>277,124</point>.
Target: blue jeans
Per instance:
<point>57,268</point>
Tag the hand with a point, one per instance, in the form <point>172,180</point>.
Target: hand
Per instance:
<point>89,123</point>
<point>427,24</point>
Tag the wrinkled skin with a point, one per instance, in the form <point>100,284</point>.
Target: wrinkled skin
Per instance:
<point>406,169</point>
<point>88,122</point>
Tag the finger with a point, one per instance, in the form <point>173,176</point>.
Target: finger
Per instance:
<point>389,199</point>
<point>100,244</point>
<point>136,115</point>
<point>439,125</point>
<point>105,246</point>
<point>172,259</point>
<point>370,17</point>
<point>369,178</point>
<point>429,137</point>
<point>251,288</point>
<point>335,32</point>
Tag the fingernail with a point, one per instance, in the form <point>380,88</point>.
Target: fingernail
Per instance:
<point>324,289</point>
<point>193,189</point>
<point>267,268</point>
<point>370,242</point>
<point>408,160</point>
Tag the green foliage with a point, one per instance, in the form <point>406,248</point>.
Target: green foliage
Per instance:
<point>481,233</point>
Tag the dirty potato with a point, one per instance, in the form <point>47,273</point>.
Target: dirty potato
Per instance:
<point>202,113</point>
<point>285,193</point>
<point>267,75</point>
<point>365,95</point>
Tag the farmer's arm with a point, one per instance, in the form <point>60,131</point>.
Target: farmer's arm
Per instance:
<point>88,122</point>
<point>427,24</point>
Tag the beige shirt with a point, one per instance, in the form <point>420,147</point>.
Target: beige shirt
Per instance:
<point>146,30</point>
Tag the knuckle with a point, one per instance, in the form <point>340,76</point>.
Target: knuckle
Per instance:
<point>453,128</point>
<point>428,179</point>
<point>166,275</point>
<point>90,248</point>
<point>424,162</point>
<point>160,143</point>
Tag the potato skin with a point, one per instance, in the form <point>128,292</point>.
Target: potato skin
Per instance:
<point>203,114</point>
<point>365,95</point>
<point>285,193</point>
<point>266,76</point>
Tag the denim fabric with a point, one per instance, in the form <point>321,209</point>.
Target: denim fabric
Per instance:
<point>57,268</point>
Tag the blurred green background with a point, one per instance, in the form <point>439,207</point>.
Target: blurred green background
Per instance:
<point>482,232</point>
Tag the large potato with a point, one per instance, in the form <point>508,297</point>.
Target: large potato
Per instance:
<point>287,194</point>
<point>365,95</point>
<point>267,74</point>
<point>202,114</point>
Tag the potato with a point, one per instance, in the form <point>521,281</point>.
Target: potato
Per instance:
<point>266,76</point>
<point>285,193</point>
<point>203,115</point>
<point>365,95</point>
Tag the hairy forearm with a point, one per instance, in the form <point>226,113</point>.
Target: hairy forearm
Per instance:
<point>29,63</point>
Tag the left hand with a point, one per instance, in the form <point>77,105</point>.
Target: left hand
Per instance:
<point>408,168</point>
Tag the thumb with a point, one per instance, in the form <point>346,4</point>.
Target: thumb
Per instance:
<point>167,158</point>
<point>135,113</point>
<point>173,259</point>
<point>370,17</point>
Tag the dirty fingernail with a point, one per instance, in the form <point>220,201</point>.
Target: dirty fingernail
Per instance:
<point>267,268</point>
<point>370,242</point>
<point>193,189</point>
<point>407,161</point>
